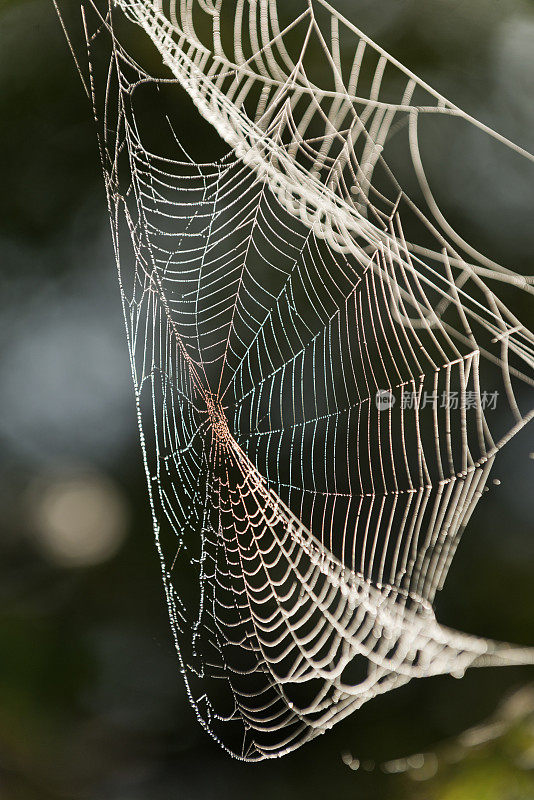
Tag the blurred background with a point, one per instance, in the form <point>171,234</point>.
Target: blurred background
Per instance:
<point>91,701</point>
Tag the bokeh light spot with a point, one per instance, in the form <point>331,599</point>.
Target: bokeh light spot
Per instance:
<point>79,519</point>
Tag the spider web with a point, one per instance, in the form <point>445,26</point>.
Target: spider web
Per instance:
<point>313,352</point>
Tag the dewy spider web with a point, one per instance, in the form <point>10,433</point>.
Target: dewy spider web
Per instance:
<point>281,304</point>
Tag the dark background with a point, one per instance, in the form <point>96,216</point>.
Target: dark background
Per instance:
<point>91,701</point>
